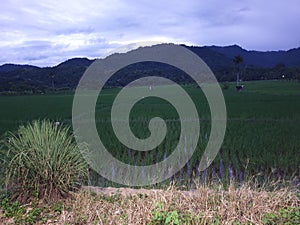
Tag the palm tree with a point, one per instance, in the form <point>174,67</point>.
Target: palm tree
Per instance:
<point>238,60</point>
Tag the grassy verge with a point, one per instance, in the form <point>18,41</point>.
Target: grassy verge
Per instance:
<point>205,205</point>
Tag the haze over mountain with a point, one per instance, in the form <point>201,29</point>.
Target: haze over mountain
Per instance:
<point>256,65</point>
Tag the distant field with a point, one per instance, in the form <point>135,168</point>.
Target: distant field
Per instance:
<point>262,137</point>
<point>16,110</point>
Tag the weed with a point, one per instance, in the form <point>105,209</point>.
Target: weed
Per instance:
<point>285,216</point>
<point>159,216</point>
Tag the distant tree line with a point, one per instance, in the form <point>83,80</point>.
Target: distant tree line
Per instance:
<point>223,61</point>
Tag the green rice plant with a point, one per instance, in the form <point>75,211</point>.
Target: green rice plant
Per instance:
<point>43,158</point>
<point>262,134</point>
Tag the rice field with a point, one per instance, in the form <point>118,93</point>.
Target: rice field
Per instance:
<point>262,140</point>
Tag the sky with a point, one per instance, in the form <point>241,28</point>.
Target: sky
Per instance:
<point>48,32</point>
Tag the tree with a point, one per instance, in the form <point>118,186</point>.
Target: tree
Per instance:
<point>52,75</point>
<point>238,60</point>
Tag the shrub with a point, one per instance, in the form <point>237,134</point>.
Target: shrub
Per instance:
<point>43,158</point>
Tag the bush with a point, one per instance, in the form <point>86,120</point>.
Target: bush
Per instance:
<point>44,159</point>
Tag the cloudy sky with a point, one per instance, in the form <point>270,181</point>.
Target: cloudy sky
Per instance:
<point>47,32</point>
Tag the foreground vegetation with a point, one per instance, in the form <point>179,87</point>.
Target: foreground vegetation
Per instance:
<point>204,205</point>
<point>42,159</point>
<point>41,164</point>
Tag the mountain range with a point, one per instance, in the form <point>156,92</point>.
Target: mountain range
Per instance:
<point>66,75</point>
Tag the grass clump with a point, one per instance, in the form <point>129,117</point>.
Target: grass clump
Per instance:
<point>43,158</point>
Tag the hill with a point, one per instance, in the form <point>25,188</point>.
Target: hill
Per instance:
<point>289,58</point>
<point>257,65</point>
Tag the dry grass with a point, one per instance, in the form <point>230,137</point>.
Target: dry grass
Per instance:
<point>203,206</point>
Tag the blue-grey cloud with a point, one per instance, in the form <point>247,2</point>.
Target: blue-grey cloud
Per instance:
<point>50,31</point>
